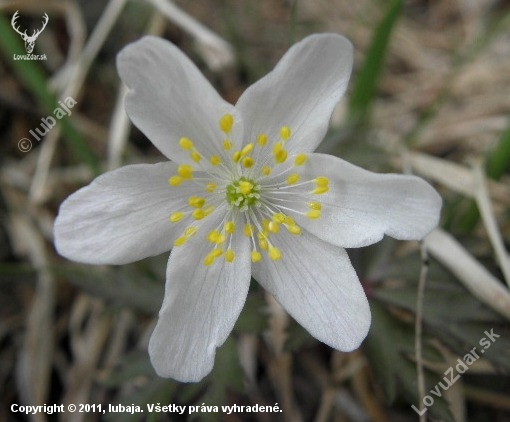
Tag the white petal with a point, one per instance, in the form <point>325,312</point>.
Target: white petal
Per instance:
<point>169,98</point>
<point>316,284</point>
<point>361,206</point>
<point>122,216</point>
<point>300,92</point>
<point>200,308</point>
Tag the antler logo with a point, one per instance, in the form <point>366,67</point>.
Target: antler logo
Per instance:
<point>29,39</point>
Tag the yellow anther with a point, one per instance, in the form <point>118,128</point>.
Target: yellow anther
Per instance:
<point>285,133</point>
<point>247,149</point>
<point>195,156</point>
<point>319,190</point>
<point>274,253</point>
<point>262,139</point>
<point>321,181</point>
<point>263,244</point>
<point>273,227</point>
<point>208,210</point>
<point>190,231</point>
<point>180,241</point>
<point>280,156</point>
<point>236,156</point>
<point>314,205</point>
<point>245,187</point>
<point>210,187</point>
<point>175,181</point>
<point>196,202</point>
<point>198,214</point>
<point>176,217</point>
<point>209,260</point>
<point>229,255</point>
<point>247,162</point>
<point>300,159</point>
<point>313,214</point>
<point>248,230</point>
<point>227,145</point>
<point>216,237</point>
<point>266,171</point>
<point>226,123</point>
<point>216,253</point>
<point>255,256</point>
<point>289,220</point>
<point>279,218</point>
<point>265,224</point>
<point>215,160</point>
<point>230,227</point>
<point>293,179</point>
<point>185,171</point>
<point>186,143</point>
<point>294,229</point>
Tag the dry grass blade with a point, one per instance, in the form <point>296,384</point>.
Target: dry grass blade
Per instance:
<point>486,210</point>
<point>480,282</point>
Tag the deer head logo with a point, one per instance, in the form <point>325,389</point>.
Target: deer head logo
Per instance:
<point>29,39</point>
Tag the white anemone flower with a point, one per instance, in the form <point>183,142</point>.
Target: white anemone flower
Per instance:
<point>243,195</point>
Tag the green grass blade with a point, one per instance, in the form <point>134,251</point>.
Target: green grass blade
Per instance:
<point>366,82</point>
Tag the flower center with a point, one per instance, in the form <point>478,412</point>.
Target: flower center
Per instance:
<point>257,187</point>
<point>243,193</point>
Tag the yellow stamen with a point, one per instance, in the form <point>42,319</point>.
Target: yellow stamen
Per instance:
<point>319,190</point>
<point>274,253</point>
<point>247,162</point>
<point>215,160</point>
<point>230,227</point>
<point>255,256</point>
<point>185,171</point>
<point>236,156</point>
<point>227,145</point>
<point>321,181</point>
<point>273,227</point>
<point>216,237</point>
<point>226,123</point>
<point>198,214</point>
<point>229,255</point>
<point>196,202</point>
<point>266,171</point>
<point>180,241</point>
<point>186,144</point>
<point>279,218</point>
<point>293,179</point>
<point>190,231</point>
<point>294,229</point>
<point>176,217</point>
<point>247,149</point>
<point>285,133</point>
<point>315,205</point>
<point>210,187</point>
<point>313,214</point>
<point>195,156</point>
<point>262,139</point>
<point>175,181</point>
<point>300,159</point>
<point>248,230</point>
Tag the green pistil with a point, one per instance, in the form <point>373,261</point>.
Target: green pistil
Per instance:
<point>243,193</point>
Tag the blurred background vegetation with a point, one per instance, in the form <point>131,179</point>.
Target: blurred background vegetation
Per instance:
<point>430,95</point>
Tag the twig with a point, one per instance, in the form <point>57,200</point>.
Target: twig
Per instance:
<point>484,205</point>
<point>418,329</point>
